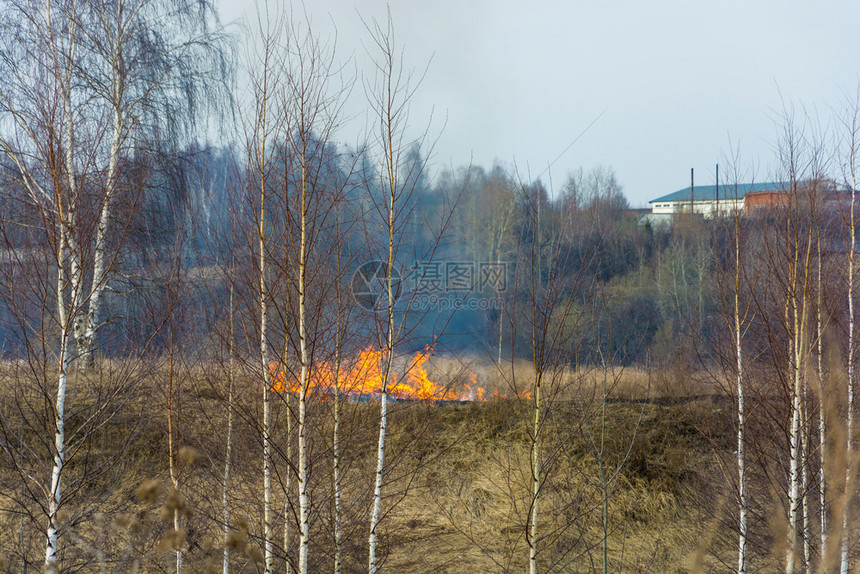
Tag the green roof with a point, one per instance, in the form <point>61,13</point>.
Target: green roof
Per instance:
<point>727,191</point>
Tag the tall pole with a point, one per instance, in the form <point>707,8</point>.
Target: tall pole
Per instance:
<point>718,189</point>
<point>692,200</point>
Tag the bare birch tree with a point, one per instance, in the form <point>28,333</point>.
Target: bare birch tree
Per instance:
<point>797,310</point>
<point>740,317</point>
<point>789,254</point>
<point>554,328</point>
<point>69,66</point>
<point>228,457</point>
<point>53,62</point>
<point>389,97</point>
<point>310,195</point>
<point>388,220</point>
<point>262,121</point>
<point>737,314</point>
<point>851,124</point>
<point>823,459</point>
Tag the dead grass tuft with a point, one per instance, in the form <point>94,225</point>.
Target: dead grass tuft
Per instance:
<point>189,455</point>
<point>172,540</point>
<point>149,491</point>
<point>173,505</point>
<point>236,540</point>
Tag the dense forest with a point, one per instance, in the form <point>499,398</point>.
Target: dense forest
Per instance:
<point>635,283</point>
<point>280,352</point>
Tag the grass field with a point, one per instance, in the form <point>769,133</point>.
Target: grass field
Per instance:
<point>647,471</point>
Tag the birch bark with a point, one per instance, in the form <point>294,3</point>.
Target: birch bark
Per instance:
<point>71,94</point>
<point>389,113</point>
<point>268,532</point>
<point>822,402</point>
<point>67,246</point>
<point>258,158</point>
<point>304,518</point>
<point>535,475</point>
<point>336,472</point>
<point>849,458</point>
<point>742,480</point>
<point>390,326</point>
<point>228,462</point>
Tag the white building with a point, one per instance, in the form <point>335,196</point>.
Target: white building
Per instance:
<point>710,200</point>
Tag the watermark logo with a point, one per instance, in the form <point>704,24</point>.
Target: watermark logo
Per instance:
<point>370,285</point>
<point>458,277</point>
<point>441,285</point>
<point>450,302</point>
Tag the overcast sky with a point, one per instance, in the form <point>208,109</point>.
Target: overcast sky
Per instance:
<point>670,83</point>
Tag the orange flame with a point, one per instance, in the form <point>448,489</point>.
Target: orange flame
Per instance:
<point>473,391</point>
<point>365,377</point>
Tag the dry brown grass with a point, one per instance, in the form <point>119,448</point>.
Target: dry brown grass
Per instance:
<point>468,513</point>
<point>459,483</point>
<point>572,383</point>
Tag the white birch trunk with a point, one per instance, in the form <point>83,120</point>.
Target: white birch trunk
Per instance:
<point>338,495</point>
<point>501,321</point>
<point>804,481</point>
<point>388,125</point>
<point>88,322</point>
<point>171,446</point>
<point>794,464</point>
<point>65,360</point>
<point>383,399</point>
<point>288,483</point>
<point>268,547</point>
<point>795,345</point>
<point>55,494</point>
<point>499,298</point>
<point>69,219</point>
<point>67,247</point>
<point>846,511</point>
<point>822,427</point>
<point>742,479</point>
<point>65,315</point>
<point>377,488</point>
<point>536,478</point>
<point>229,454</point>
<point>304,518</point>
<point>261,166</point>
<point>338,343</point>
<point>178,550</point>
<point>799,297</point>
<point>383,413</point>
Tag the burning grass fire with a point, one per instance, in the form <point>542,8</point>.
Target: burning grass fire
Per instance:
<point>362,379</point>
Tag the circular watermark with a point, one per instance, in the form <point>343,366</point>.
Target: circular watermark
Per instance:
<point>370,285</point>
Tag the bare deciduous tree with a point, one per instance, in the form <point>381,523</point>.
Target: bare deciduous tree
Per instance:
<point>389,96</point>
<point>85,87</point>
<point>851,123</point>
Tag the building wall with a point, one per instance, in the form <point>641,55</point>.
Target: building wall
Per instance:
<point>708,208</point>
<point>764,200</point>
